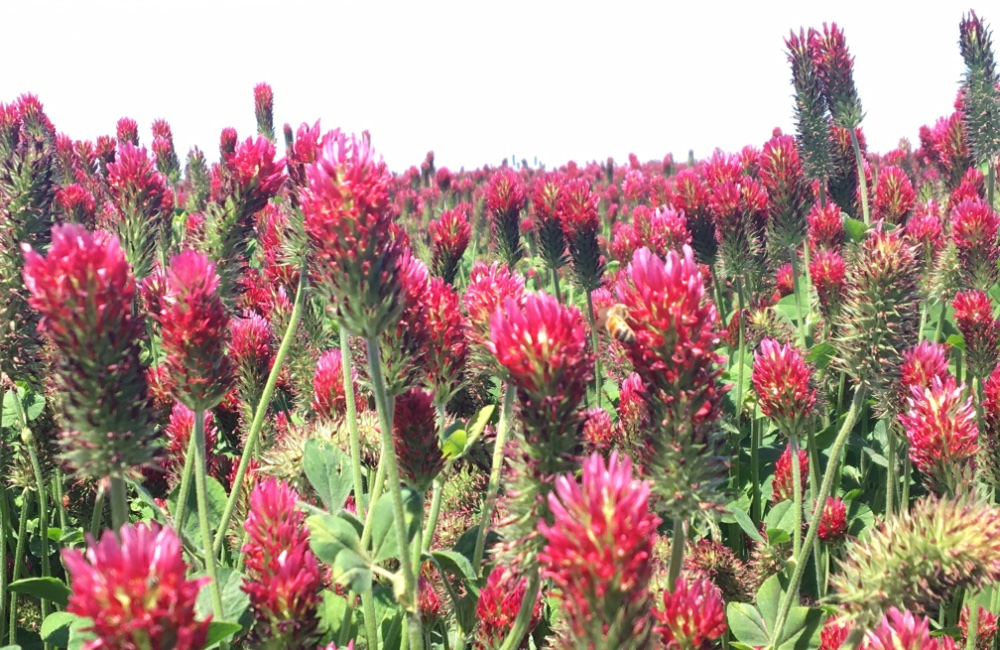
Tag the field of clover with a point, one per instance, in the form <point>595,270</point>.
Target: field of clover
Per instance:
<point>748,402</point>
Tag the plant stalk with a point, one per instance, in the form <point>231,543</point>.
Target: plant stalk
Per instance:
<point>676,552</point>
<point>119,503</point>
<point>201,494</point>
<point>594,338</point>
<point>861,175</point>
<point>22,533</point>
<point>495,469</point>
<point>352,422</point>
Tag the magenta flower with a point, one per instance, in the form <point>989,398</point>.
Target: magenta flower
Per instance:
<point>921,364</point>
<point>782,381</point>
<point>901,630</point>
<point>599,552</point>
<point>252,353</point>
<point>134,587</point>
<point>833,521</point>
<point>986,629</point>
<point>416,440</point>
<point>195,331</point>
<point>178,433</point>
<point>829,276</point>
<point>263,108</point>
<point>284,578</point>
<point>782,487</point>
<point>127,131</point>
<point>504,202</point>
<point>329,399</point>
<point>77,203</point>
<point>826,227</point>
<point>974,228</point>
<point>834,634</point>
<point>489,287</point>
<point>498,605</point>
<point>894,196</point>
<point>577,211</point>
<point>693,616</point>
<point>941,427</point>
<point>450,235</point>
<point>980,329</point>
<point>447,346</point>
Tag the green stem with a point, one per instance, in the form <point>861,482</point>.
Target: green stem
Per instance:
<point>4,530</point>
<point>185,491</point>
<point>741,355</point>
<point>755,496</point>
<point>352,421</point>
<point>259,416</point>
<point>555,283</point>
<point>22,533</point>
<point>57,491</point>
<point>792,591</point>
<point>676,553</point>
<point>991,181</point>
<point>376,492</point>
<point>97,517</point>
<point>43,509</point>
<point>435,514</point>
<point>201,493</point>
<point>798,300</point>
<point>923,321</point>
<point>940,323</point>
<point>494,484</point>
<point>793,442</point>
<point>520,626</point>
<point>973,626</point>
<point>890,474</point>
<point>599,379</point>
<point>408,598</point>
<point>119,503</point>
<point>904,497</point>
<point>861,175</point>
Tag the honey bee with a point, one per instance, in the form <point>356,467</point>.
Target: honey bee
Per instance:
<point>615,320</point>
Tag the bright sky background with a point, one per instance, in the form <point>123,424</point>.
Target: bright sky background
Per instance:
<point>474,81</point>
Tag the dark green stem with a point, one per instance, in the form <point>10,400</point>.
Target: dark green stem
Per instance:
<point>22,533</point>
<point>57,496</point>
<point>495,469</point>
<point>4,540</point>
<point>798,300</point>
<point>594,338</point>
<point>890,474</point>
<point>352,422</point>
<point>97,517</point>
<point>676,553</point>
<point>43,509</point>
<point>409,596</point>
<point>555,283</point>
<point>793,442</point>
<point>861,175</point>
<point>119,502</point>
<point>756,506</point>
<point>185,490</point>
<point>973,626</point>
<point>201,493</point>
<point>792,591</point>
<point>261,413</point>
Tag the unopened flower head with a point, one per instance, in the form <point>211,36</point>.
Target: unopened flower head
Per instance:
<point>498,606</point>
<point>415,435</point>
<point>577,211</point>
<point>263,108</point>
<point>895,198</point>
<point>833,521</point>
<point>329,399</point>
<point>450,235</point>
<point>835,67</point>
<point>448,345</point>
<point>504,202</point>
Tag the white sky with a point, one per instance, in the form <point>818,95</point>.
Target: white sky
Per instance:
<point>476,81</point>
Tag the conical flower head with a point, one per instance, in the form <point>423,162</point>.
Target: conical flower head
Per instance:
<point>489,287</point>
<point>829,277</point>
<point>283,578</point>
<point>833,521</point>
<point>329,399</point>
<point>691,196</point>
<point>133,585</point>
<point>986,629</point>
<point>77,204</point>
<point>252,352</point>
<point>447,345</point>
<point>195,332</point>
<point>974,228</point>
<point>347,220</point>
<point>405,347</point>
<point>918,558</point>
<point>450,235</point>
<point>498,606</point>
<point>504,202</point>
<point>901,630</point>
<point>921,364</point>
<point>693,616</point>
<point>577,211</point>
<point>84,291</point>
<point>739,208</point>
<point>894,196</point>
<point>826,227</point>
<point>127,131</point>
<point>599,553</point>
<point>783,485</point>
<point>981,99</point>
<point>789,197</point>
<point>546,193</point>
<point>415,436</point>
<point>989,438</point>
<point>880,315</point>
<point>810,108</point>
<point>940,424</point>
<point>263,108</point>
<point>980,329</point>
<point>835,68</point>
<point>783,383</point>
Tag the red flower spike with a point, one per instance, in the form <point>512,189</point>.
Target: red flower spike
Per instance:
<point>263,108</point>
<point>784,280</point>
<point>833,521</point>
<point>826,227</point>
<point>693,616</point>
<point>447,346</point>
<point>504,201</point>
<point>178,433</point>
<point>416,440</point>
<point>194,331</point>
<point>633,412</point>
<point>921,364</point>
<point>133,585</point>
<point>450,235</point>
<point>284,579</point>
<point>577,211</point>
<point>974,228</point>
<point>894,196</point>
<point>599,552</point>
<point>782,487</point>
<point>829,276</point>
<point>981,331</point>
<point>986,629</point>
<point>77,203</point>
<point>597,429</point>
<point>499,604</point>
<point>252,353</point>
<point>489,288</point>
<point>127,131</point>
<point>834,634</point>
<point>781,378</point>
<point>901,630</point>
<point>941,427</point>
<point>328,386</point>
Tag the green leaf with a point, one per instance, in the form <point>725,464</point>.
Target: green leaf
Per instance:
<point>327,469</point>
<point>56,628</point>
<point>855,230</point>
<point>32,403</point>
<point>389,615</point>
<point>769,600</point>
<point>385,544</point>
<point>216,497</point>
<point>79,634</point>
<point>455,444</point>
<point>744,521</point>
<point>51,589</point>
<point>780,517</point>
<point>455,563</point>
<point>477,425</point>
<point>220,631</point>
<point>235,603</point>
<point>956,341</point>
<point>821,354</point>
<point>337,542</point>
<point>802,629</point>
<point>332,613</point>
<point>747,625</point>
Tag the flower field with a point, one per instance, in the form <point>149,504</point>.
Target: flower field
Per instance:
<point>292,399</point>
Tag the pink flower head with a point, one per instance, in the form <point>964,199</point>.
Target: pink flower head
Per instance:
<point>925,230</point>
<point>443,178</point>
<point>979,328</point>
<point>921,364</point>
<point>489,288</point>
<point>227,142</point>
<point>986,629</point>
<point>544,347</point>
<point>599,548</point>
<point>128,131</point>
<point>901,630</point>
<point>284,579</point>
<point>597,429</point>
<point>577,211</point>
<point>941,427</point>
<point>415,435</point>
<point>133,585</point>
<point>693,616</point>
<point>990,434</point>
<point>195,331</point>
<point>782,487</point>
<point>829,276</point>
<point>450,235</point>
<point>77,203</point>
<point>405,347</point>
<point>691,196</point>
<point>84,291</point>
<point>498,606</point>
<point>348,224</point>
<point>167,162</point>
<point>250,176</point>
<point>448,347</point>
<point>660,230</point>
<point>835,67</point>
<point>263,108</point>
<point>784,280</point>
<point>633,412</point>
<point>251,350</point>
<point>161,129</point>
<point>826,227</point>
<point>894,196</point>
<point>504,201</point>
<point>328,385</point>
<point>833,521</point>
<point>974,231</point>
<point>782,381</point>
<point>834,634</point>
<point>178,434</point>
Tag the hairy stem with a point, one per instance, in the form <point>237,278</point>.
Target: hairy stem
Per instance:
<point>861,175</point>
<point>594,338</point>
<point>352,422</point>
<point>495,469</point>
<point>22,533</point>
<point>676,553</point>
<point>119,503</point>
